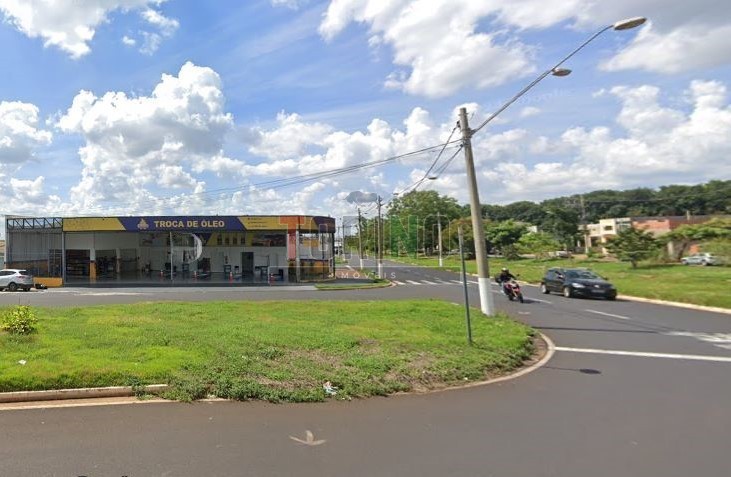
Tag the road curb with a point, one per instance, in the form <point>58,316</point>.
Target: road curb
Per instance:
<point>690,306</point>
<point>550,351</point>
<point>81,393</point>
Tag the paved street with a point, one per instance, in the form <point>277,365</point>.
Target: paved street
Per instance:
<point>634,389</point>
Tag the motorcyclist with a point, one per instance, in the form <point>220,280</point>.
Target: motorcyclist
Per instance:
<point>503,278</point>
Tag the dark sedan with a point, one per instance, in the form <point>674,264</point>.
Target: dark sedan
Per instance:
<point>577,282</point>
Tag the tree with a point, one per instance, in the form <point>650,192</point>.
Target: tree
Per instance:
<point>562,223</point>
<point>540,244</point>
<point>632,245</point>
<point>504,235</point>
<point>684,235</point>
<point>421,208</point>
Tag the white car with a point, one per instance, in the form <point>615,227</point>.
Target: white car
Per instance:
<point>14,278</point>
<point>700,259</point>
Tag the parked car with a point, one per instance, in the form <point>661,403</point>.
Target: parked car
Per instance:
<point>700,259</point>
<point>13,278</point>
<point>577,282</point>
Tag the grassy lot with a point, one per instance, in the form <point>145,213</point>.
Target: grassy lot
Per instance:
<point>276,351</point>
<point>709,286</point>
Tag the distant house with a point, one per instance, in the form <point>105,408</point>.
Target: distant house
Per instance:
<point>2,253</point>
<point>599,234</point>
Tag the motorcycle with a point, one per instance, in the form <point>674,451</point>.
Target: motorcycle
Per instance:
<point>511,288</point>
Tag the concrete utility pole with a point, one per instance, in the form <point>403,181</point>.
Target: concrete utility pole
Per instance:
<point>379,239</point>
<point>483,273</point>
<point>439,234</point>
<point>360,240</point>
<point>584,224</point>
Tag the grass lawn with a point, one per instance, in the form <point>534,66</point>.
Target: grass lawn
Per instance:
<point>709,286</point>
<point>378,283</point>
<point>276,351</point>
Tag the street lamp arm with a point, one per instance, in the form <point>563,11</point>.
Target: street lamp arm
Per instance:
<point>530,85</point>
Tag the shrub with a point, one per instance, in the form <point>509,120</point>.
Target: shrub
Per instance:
<point>19,320</point>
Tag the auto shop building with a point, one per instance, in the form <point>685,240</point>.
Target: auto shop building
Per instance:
<point>171,250</point>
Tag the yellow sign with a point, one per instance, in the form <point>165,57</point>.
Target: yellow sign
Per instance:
<point>86,224</point>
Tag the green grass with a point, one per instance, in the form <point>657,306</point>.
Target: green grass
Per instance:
<point>689,284</point>
<point>378,283</point>
<point>276,351</point>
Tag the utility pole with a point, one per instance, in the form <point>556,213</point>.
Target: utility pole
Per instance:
<point>483,273</point>
<point>360,240</point>
<point>379,239</point>
<point>439,234</point>
<point>584,224</point>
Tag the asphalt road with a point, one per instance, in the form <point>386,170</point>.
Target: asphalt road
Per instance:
<point>660,409</point>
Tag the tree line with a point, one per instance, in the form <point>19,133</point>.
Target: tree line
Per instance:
<point>412,220</point>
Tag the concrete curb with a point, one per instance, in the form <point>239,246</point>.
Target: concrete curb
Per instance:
<point>550,351</point>
<point>679,304</point>
<point>81,393</point>
<point>128,391</point>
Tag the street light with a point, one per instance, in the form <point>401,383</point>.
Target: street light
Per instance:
<point>486,302</point>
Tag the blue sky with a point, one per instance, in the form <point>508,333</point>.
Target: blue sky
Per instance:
<point>258,91</point>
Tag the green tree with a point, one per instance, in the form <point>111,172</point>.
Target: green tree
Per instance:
<point>504,236</point>
<point>562,223</point>
<point>720,248</point>
<point>451,236</point>
<point>540,244</point>
<point>684,235</point>
<point>421,208</point>
<point>632,245</point>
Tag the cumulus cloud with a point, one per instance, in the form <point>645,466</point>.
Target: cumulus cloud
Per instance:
<point>435,42</point>
<point>71,25</point>
<point>442,46</point>
<point>19,132</point>
<point>134,142</point>
<point>655,145</point>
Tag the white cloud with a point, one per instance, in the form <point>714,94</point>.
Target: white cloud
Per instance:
<point>132,143</point>
<point>129,41</point>
<point>442,46</point>
<point>19,132</point>
<point>684,48</point>
<point>293,4</point>
<point>71,25</point>
<point>529,111</point>
<point>658,145</point>
<point>436,41</point>
<point>290,138</point>
<point>166,25</point>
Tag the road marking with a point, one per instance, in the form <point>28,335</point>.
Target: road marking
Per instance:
<point>471,282</point>
<point>540,300</point>
<point>398,283</point>
<point>428,282</point>
<point>413,282</point>
<point>309,439</point>
<point>692,357</point>
<point>720,340</point>
<point>457,281</point>
<point>609,314</point>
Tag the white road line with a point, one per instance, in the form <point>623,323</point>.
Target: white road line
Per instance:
<point>398,283</point>
<point>691,357</point>
<point>540,300</point>
<point>413,282</point>
<point>609,314</point>
<point>428,282</point>
<point>471,282</point>
<point>457,281</point>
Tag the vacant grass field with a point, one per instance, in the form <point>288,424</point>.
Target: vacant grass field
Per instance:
<point>709,286</point>
<point>276,351</point>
